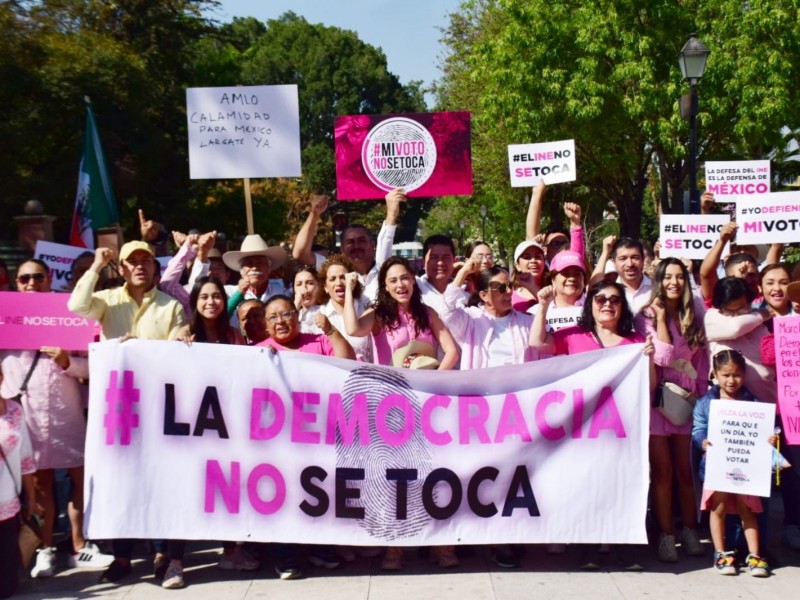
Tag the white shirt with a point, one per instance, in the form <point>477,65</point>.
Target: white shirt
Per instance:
<point>637,299</point>
<point>501,344</point>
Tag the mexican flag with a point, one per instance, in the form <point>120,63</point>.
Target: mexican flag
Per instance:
<point>95,206</point>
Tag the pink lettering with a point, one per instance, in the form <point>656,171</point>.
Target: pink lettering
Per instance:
<point>340,427</point>
<point>229,491</point>
<point>266,507</point>
<point>394,436</point>
<point>606,416</point>
<point>512,421</point>
<point>300,418</point>
<point>262,397</point>
<point>439,438</point>
<point>467,420</point>
<point>548,432</point>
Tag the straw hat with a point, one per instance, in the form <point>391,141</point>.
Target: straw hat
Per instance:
<point>254,245</point>
<point>415,355</point>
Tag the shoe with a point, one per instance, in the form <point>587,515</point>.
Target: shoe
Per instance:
<point>287,572</point>
<point>556,548</point>
<point>666,548</point>
<point>89,557</point>
<point>115,571</point>
<point>690,542</point>
<point>791,536</point>
<point>445,557</point>
<point>757,566</point>
<point>237,559</point>
<point>393,559</point>
<point>326,561</point>
<point>45,563</point>
<point>173,578</point>
<point>590,558</point>
<point>505,558</point>
<point>725,562</point>
<point>160,564</point>
<point>627,558</point>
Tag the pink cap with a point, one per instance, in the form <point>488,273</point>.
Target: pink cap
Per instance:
<point>566,259</point>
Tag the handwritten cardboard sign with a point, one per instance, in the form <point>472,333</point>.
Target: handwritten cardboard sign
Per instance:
<point>690,236</point>
<point>552,161</point>
<point>731,180</point>
<point>243,131</point>
<point>426,154</point>
<point>787,368</point>
<point>739,459</point>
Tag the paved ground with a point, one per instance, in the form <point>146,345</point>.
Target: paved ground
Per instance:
<point>541,576</point>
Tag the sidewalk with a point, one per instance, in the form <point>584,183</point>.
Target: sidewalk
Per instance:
<point>541,576</point>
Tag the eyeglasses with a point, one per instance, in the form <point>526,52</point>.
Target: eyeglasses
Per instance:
<point>499,287</point>
<point>601,300</point>
<point>484,256</point>
<point>37,277</point>
<point>284,316</point>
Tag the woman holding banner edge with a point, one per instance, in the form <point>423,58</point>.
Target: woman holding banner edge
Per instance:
<point>673,317</point>
<point>606,322</point>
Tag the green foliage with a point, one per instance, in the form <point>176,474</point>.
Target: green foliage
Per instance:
<point>605,73</point>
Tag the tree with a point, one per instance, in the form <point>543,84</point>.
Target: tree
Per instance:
<point>605,73</point>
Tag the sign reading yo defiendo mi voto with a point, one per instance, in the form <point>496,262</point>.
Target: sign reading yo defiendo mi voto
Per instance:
<point>292,447</point>
<point>426,154</point>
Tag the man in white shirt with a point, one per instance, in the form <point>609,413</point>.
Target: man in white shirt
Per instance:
<point>439,254</point>
<point>358,244</point>
<point>628,257</point>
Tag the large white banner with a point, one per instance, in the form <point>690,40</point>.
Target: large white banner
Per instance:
<point>240,443</point>
<point>739,459</point>
<point>243,131</point>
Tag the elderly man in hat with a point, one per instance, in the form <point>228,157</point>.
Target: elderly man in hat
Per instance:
<point>254,261</point>
<point>358,243</point>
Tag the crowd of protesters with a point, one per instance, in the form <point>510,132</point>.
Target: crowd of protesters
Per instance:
<point>706,326</point>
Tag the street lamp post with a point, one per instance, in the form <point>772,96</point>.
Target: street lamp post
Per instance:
<point>484,211</point>
<point>461,225</point>
<point>692,60</point>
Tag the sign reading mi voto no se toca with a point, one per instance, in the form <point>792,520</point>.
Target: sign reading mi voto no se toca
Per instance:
<point>293,447</point>
<point>426,154</point>
<point>244,131</point>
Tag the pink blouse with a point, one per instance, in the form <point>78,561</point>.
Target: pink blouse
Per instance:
<point>17,448</point>
<point>310,343</point>
<point>388,340</point>
<point>574,340</point>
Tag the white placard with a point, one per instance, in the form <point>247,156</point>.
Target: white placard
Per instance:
<point>730,181</point>
<point>59,259</point>
<point>770,219</point>
<point>739,459</point>
<point>243,131</point>
<point>552,161</point>
<point>241,443</point>
<point>690,236</point>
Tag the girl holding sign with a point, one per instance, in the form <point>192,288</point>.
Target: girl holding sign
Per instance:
<point>674,317</point>
<point>728,369</point>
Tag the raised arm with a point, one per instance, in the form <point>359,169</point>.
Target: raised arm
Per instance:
<point>533,220</point>
<point>82,300</point>
<point>353,324</point>
<point>721,327</point>
<point>301,250</point>
<point>708,268</point>
<point>385,241</point>
<point>774,254</point>
<point>538,337</point>
<point>576,243</point>
<point>600,268</point>
<point>170,280</point>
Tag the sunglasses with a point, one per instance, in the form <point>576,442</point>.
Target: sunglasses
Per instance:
<point>601,300</point>
<point>37,277</point>
<point>499,287</point>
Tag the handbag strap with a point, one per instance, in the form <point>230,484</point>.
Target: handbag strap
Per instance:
<point>24,387</point>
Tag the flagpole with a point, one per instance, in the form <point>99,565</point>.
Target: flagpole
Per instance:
<point>248,205</point>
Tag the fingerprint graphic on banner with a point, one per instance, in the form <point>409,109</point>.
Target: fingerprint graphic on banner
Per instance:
<point>378,495</point>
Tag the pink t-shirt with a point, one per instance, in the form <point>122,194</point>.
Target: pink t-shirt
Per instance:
<point>310,343</point>
<point>574,340</point>
<point>520,302</point>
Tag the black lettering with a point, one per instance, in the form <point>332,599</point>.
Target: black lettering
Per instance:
<point>441,512</point>
<point>402,477</point>
<point>344,493</point>
<point>209,416</point>
<point>520,482</point>
<point>307,477</point>
<point>481,475</point>
<point>170,426</point>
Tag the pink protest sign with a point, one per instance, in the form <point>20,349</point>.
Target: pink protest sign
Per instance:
<point>29,321</point>
<point>787,366</point>
<point>427,154</point>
